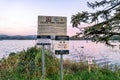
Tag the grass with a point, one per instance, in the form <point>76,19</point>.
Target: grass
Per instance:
<point>27,66</point>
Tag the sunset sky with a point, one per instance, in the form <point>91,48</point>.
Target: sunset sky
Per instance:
<point>19,17</point>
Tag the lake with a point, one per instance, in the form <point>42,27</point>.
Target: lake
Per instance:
<point>7,46</point>
<point>77,48</point>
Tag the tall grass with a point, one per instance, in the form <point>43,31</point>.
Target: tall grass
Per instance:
<point>27,66</point>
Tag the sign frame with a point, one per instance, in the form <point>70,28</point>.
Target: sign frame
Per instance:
<point>43,40</point>
<point>63,41</point>
<point>52,25</point>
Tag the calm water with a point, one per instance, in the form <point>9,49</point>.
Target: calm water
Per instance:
<point>7,46</point>
<point>98,50</point>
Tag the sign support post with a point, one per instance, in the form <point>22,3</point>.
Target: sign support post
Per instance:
<point>61,47</point>
<point>43,63</point>
<point>89,68</point>
<point>90,62</point>
<point>61,67</point>
<point>43,40</point>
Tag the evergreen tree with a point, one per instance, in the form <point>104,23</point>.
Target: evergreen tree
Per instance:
<point>105,20</point>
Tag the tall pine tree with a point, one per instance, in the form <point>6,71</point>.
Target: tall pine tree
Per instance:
<point>105,21</point>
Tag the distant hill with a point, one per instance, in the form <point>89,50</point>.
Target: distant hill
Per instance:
<point>17,37</point>
<point>116,37</point>
<point>33,37</point>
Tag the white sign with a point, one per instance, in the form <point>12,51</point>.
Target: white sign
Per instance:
<point>90,60</point>
<point>43,40</point>
<point>61,44</point>
<point>52,25</point>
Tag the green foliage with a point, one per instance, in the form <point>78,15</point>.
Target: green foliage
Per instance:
<point>104,20</point>
<point>27,66</point>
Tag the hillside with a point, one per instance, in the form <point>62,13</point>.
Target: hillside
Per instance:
<point>17,37</point>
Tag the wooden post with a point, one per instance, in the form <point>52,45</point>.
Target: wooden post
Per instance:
<point>89,68</point>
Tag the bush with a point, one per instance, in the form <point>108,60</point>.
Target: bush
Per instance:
<point>27,66</point>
